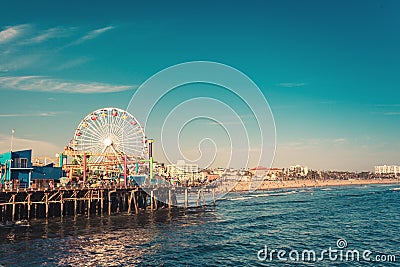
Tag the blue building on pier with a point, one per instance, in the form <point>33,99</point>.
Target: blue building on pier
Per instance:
<point>17,166</point>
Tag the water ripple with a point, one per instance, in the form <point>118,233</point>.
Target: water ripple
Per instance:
<point>229,235</point>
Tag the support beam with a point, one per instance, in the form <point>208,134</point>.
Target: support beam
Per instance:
<point>75,202</point>
<point>214,199</point>
<point>151,199</point>
<point>47,204</point>
<point>61,204</point>
<point>13,208</point>
<point>101,201</point>
<point>109,200</point>
<point>198,198</point>
<point>135,202</point>
<point>130,201</point>
<point>89,200</point>
<point>29,205</point>
<point>125,170</point>
<point>186,204</point>
<point>169,199</point>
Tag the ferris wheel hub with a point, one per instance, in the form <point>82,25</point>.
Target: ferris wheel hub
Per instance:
<point>110,130</point>
<point>107,142</point>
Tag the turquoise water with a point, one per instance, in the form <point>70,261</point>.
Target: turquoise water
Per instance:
<point>367,218</point>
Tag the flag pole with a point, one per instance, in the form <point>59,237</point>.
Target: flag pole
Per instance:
<point>12,138</point>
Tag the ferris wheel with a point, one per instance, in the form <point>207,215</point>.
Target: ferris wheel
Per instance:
<point>110,132</point>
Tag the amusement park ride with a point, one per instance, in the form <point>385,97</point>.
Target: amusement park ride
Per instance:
<point>110,153</point>
<point>109,145</point>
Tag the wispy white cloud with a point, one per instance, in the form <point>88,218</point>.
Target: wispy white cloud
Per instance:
<point>45,84</point>
<point>42,114</point>
<point>391,109</point>
<point>12,32</point>
<point>339,140</point>
<point>52,33</point>
<point>18,61</point>
<point>291,85</point>
<point>93,34</point>
<point>73,63</point>
<point>15,39</point>
<point>391,113</point>
<point>13,57</point>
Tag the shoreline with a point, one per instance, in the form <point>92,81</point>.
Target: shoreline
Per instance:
<point>302,183</point>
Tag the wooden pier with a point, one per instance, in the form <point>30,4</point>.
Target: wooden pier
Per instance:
<point>25,204</point>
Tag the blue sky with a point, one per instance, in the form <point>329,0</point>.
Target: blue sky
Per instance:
<point>329,69</point>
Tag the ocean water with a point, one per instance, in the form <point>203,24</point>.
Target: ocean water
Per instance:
<point>237,232</point>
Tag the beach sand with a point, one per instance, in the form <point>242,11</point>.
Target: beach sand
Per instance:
<point>300,183</point>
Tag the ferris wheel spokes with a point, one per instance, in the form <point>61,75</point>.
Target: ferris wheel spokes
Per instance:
<point>110,131</point>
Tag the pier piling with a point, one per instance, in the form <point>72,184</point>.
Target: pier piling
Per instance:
<point>186,198</point>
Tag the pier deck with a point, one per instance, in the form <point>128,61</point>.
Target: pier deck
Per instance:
<point>27,203</point>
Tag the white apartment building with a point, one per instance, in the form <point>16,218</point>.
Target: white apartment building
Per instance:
<point>384,169</point>
<point>298,170</point>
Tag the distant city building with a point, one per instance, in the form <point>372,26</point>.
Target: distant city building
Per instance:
<point>208,175</point>
<point>259,171</point>
<point>276,171</point>
<point>183,171</point>
<point>187,168</point>
<point>219,171</point>
<point>384,169</point>
<point>298,170</point>
<point>269,173</point>
<point>159,168</point>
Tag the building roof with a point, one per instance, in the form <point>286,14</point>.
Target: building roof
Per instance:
<point>259,168</point>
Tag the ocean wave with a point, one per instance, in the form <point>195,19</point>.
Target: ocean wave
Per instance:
<point>240,198</point>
